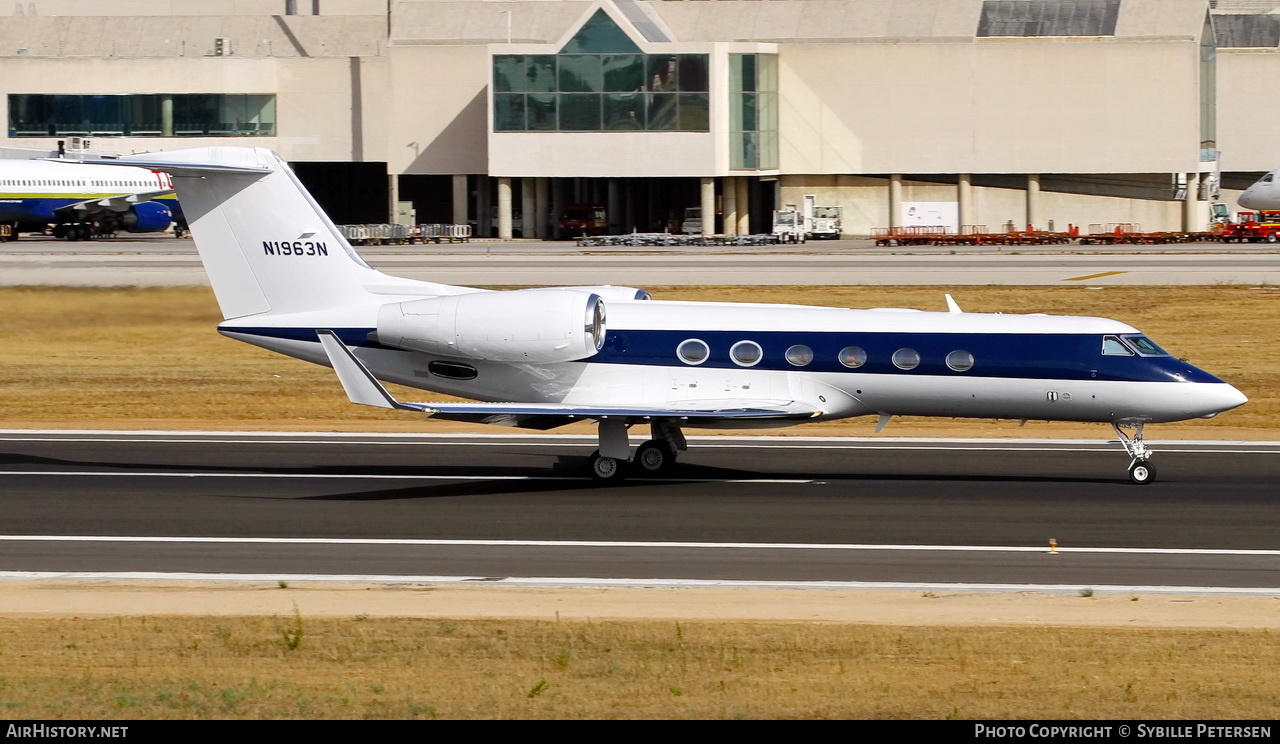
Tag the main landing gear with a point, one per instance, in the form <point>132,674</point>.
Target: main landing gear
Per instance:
<point>1141,471</point>
<point>610,463</point>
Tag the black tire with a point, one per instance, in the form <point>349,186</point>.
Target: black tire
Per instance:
<point>1142,472</point>
<point>606,469</point>
<point>654,457</point>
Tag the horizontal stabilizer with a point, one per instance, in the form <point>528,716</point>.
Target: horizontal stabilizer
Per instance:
<point>361,386</point>
<point>173,167</point>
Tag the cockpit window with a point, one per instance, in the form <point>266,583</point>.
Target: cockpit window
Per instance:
<point>1267,178</point>
<point>1145,346</point>
<point>1113,346</point>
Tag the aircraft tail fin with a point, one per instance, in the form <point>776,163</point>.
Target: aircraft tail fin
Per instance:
<point>265,243</point>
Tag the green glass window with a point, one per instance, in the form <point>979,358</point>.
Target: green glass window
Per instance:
<point>600,35</point>
<point>601,81</point>
<point>580,112</point>
<point>508,73</point>
<point>694,112</point>
<point>624,111</point>
<point>753,111</point>
<point>142,115</point>
<point>694,75</point>
<point>541,73</point>
<point>624,73</point>
<point>543,113</point>
<point>581,73</point>
<point>662,111</point>
<point>508,112</point>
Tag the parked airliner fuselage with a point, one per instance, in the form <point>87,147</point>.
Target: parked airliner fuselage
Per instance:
<point>1263,194</point>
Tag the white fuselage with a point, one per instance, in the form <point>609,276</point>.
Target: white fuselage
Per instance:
<point>1022,366</point>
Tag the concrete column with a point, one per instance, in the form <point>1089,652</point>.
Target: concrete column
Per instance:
<point>729,193</point>
<point>166,115</point>
<point>613,206</point>
<point>504,208</point>
<point>895,200</point>
<point>964,197</point>
<point>744,204</point>
<point>1190,208</point>
<point>528,207</point>
<point>460,199</point>
<point>708,206</point>
<point>542,208</point>
<point>1033,202</point>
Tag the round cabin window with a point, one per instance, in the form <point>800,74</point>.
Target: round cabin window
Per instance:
<point>852,357</point>
<point>746,353</point>
<point>693,351</point>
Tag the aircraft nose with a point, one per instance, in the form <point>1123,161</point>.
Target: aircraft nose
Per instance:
<point>1210,399</point>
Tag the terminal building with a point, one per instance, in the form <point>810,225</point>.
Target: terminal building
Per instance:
<point>961,113</point>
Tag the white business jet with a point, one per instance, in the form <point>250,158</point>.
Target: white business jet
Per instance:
<point>286,280</point>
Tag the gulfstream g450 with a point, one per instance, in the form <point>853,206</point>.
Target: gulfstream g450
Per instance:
<point>286,280</point>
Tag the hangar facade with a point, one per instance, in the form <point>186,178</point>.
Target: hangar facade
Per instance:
<point>956,112</point>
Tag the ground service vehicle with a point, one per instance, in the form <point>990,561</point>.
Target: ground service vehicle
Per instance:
<point>788,225</point>
<point>1252,227</point>
<point>583,219</point>
<point>824,223</point>
<point>692,223</point>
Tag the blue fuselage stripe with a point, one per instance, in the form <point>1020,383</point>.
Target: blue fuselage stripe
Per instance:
<point>1001,355</point>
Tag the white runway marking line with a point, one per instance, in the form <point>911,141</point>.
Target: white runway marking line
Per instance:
<point>533,581</point>
<point>626,544</point>
<point>383,476</point>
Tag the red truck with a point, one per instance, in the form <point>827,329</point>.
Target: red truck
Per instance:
<point>583,219</point>
<point>1251,227</point>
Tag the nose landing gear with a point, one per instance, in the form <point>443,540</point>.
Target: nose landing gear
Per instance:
<point>1141,471</point>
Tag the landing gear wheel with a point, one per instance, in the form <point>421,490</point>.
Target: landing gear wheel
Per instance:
<point>1142,472</point>
<point>655,457</point>
<point>606,469</point>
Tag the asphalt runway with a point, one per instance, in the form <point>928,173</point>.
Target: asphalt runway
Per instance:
<point>169,262</point>
<point>740,511</point>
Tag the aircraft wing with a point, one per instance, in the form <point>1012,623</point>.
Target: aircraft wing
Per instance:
<point>361,387</point>
<point>120,203</point>
<point>550,415</point>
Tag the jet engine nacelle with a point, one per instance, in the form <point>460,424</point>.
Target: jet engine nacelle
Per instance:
<point>146,217</point>
<point>522,325</point>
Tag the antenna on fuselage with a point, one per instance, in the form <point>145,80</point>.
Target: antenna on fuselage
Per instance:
<point>952,306</point>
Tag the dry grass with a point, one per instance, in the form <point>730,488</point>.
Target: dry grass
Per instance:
<point>150,358</point>
<point>226,668</point>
